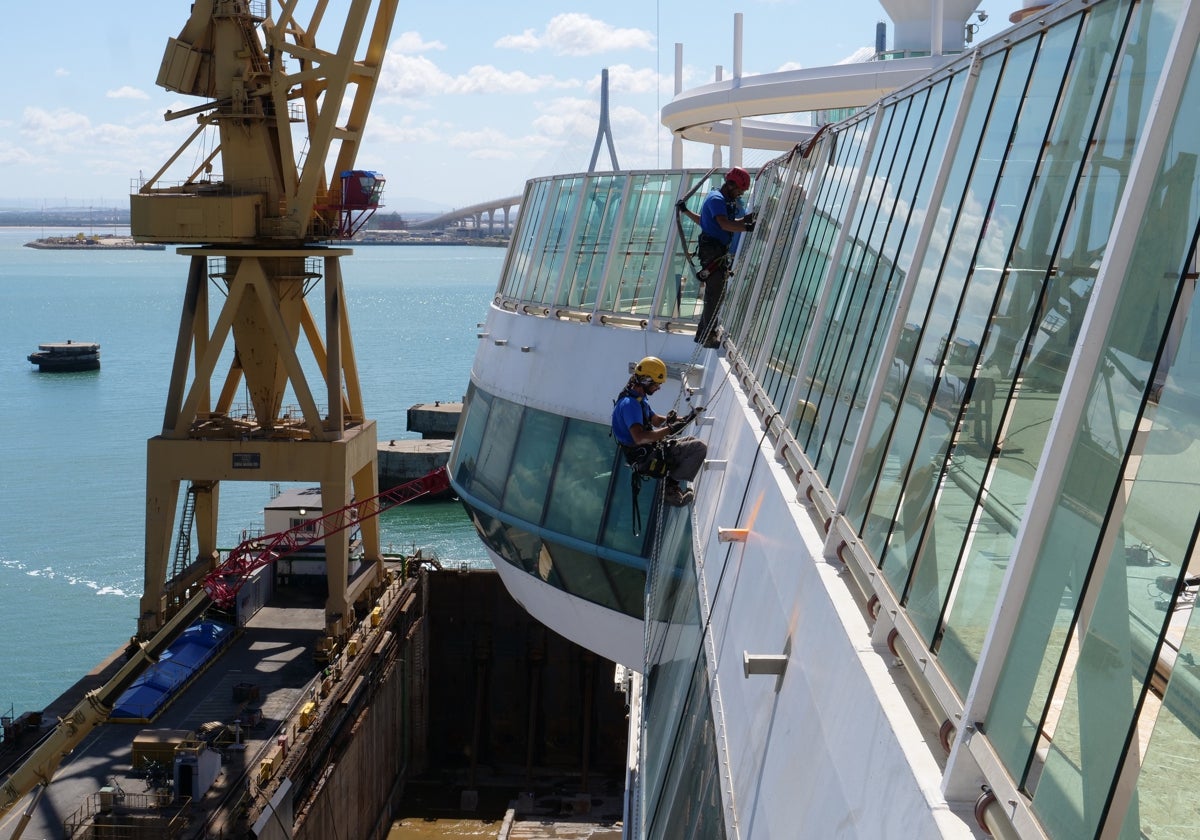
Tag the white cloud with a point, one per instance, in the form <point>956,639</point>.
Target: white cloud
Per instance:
<point>488,79</point>
<point>61,72</point>
<point>566,117</point>
<point>575,33</point>
<point>485,138</point>
<point>408,131</point>
<point>408,77</point>
<point>103,148</point>
<point>14,155</point>
<point>54,129</point>
<point>492,154</point>
<point>127,92</point>
<point>527,41</point>
<point>411,43</point>
<point>625,79</point>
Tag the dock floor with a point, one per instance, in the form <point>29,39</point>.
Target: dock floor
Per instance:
<point>273,652</point>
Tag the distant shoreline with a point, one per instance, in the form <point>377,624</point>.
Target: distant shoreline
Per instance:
<point>92,243</point>
<point>126,243</point>
<point>485,242</point>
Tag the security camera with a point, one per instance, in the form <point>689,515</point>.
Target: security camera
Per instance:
<point>982,15</point>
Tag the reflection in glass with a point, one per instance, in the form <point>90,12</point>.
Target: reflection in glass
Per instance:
<point>532,464</point>
<point>1044,634</point>
<point>591,243</point>
<point>581,481</point>
<point>876,490</point>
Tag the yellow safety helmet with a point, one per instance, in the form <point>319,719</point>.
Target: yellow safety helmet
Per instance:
<point>651,368</point>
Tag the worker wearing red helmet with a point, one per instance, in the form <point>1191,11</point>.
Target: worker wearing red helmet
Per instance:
<point>722,218</point>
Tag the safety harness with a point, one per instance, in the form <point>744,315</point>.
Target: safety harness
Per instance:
<point>648,460</point>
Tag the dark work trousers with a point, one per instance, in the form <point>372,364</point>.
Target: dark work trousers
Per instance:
<point>684,457</point>
<point>713,257</point>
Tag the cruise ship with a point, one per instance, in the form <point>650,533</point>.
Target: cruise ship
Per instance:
<point>937,577</point>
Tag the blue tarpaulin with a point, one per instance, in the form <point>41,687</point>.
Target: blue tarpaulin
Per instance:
<point>183,659</point>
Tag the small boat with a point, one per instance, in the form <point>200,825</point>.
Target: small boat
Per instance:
<point>66,357</point>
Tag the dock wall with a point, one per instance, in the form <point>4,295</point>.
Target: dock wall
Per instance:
<point>477,703</point>
<point>364,783</point>
<point>403,459</point>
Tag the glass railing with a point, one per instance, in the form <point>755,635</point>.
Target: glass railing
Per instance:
<point>984,434</point>
<point>607,247</point>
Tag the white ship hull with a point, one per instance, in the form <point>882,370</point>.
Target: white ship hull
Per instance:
<point>938,574</point>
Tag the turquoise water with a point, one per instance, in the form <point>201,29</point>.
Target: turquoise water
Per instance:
<point>72,446</point>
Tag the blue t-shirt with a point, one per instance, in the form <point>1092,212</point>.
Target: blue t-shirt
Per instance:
<point>716,204</point>
<point>628,411</point>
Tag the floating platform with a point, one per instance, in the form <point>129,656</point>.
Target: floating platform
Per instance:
<point>66,357</point>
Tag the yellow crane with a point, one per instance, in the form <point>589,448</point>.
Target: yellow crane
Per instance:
<point>272,178</point>
<point>273,100</point>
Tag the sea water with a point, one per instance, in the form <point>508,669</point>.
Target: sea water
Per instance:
<point>73,446</point>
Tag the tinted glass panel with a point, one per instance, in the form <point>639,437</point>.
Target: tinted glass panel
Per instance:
<point>581,481</point>
<point>533,462</point>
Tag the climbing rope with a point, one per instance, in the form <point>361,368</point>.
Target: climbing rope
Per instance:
<point>679,207</point>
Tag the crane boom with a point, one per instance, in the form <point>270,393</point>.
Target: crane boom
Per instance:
<point>223,583</point>
<point>90,712</point>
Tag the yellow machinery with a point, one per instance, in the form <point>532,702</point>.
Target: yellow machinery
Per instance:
<point>274,177</point>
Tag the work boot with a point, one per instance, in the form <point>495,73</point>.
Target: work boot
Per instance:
<point>711,338</point>
<point>676,496</point>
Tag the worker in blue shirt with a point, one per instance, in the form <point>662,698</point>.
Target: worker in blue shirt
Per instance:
<point>649,440</point>
<point>722,219</point>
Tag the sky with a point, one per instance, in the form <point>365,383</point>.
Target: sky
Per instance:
<point>474,98</point>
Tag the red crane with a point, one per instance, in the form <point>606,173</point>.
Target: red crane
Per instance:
<point>223,583</point>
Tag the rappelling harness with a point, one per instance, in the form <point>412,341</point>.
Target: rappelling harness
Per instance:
<point>649,460</point>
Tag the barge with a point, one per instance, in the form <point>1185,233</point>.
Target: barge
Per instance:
<point>66,356</point>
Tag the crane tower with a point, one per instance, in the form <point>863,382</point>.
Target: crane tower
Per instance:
<point>272,183</point>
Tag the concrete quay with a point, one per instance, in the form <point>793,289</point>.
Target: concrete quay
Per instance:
<point>404,459</point>
<point>436,421</point>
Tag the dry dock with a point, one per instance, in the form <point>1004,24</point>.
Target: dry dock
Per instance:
<point>456,707</point>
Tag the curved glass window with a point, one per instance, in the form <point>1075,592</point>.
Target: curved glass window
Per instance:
<point>1034,533</point>
<point>583,473</point>
<point>681,775</point>
<point>554,497</point>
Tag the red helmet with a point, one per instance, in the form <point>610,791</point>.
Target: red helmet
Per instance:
<point>739,177</point>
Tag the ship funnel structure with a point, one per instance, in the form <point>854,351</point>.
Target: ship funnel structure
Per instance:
<point>915,25</point>
<point>1028,9</point>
